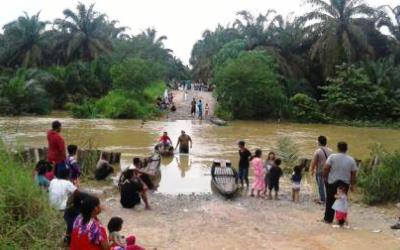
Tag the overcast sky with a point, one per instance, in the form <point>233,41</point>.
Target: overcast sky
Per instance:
<point>182,21</point>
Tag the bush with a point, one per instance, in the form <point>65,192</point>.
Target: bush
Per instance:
<point>27,221</point>
<point>380,184</point>
<point>306,109</point>
<point>248,87</point>
<point>88,109</point>
<point>288,151</point>
<point>23,94</point>
<point>222,113</point>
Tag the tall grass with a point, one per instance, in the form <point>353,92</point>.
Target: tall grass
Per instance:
<point>381,183</point>
<point>26,219</point>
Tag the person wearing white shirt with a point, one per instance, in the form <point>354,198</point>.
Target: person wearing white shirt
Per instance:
<point>60,189</point>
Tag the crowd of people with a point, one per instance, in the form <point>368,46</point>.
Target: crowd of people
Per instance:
<point>196,109</point>
<point>166,102</point>
<point>335,175</point>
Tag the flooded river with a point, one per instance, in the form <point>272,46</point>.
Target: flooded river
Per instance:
<point>187,174</point>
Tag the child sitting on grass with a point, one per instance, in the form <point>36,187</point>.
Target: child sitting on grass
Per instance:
<point>296,183</point>
<point>274,175</point>
<point>341,206</point>
<point>41,170</point>
<point>72,164</point>
<point>117,241</point>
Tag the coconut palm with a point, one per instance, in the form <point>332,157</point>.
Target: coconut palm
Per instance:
<point>87,34</point>
<point>339,37</point>
<point>23,41</point>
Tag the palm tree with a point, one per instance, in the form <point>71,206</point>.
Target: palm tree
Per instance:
<point>390,18</point>
<point>23,41</point>
<point>339,37</point>
<point>87,33</point>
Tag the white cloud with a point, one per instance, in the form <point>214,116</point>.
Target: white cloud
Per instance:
<point>182,21</point>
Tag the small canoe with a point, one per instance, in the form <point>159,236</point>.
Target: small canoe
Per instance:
<point>224,179</point>
<point>166,152</point>
<point>218,122</point>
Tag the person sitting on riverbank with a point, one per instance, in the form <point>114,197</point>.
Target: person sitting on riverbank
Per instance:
<point>259,174</point>
<point>275,173</point>
<point>40,178</point>
<point>296,183</point>
<point>131,190</point>
<point>60,189</point>
<point>103,168</point>
<point>117,241</point>
<point>88,232</point>
<point>72,211</point>
<point>72,164</point>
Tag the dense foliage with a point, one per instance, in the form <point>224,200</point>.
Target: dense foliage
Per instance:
<point>380,182</point>
<point>77,60</point>
<point>251,74</point>
<point>27,220</point>
<point>333,63</point>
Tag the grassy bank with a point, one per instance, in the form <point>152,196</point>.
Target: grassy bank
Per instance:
<point>27,221</point>
<point>121,104</point>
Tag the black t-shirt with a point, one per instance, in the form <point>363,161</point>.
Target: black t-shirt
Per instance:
<point>275,173</point>
<point>244,158</point>
<point>130,193</point>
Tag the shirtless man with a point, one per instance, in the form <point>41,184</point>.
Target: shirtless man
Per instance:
<point>184,141</point>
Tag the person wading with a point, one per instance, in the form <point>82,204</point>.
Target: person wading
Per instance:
<point>184,142</point>
<point>317,165</point>
<point>245,156</point>
<point>193,107</point>
<point>340,170</point>
<point>57,153</point>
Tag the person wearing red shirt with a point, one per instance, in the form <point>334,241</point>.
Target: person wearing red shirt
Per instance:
<point>56,154</point>
<point>88,233</point>
<point>165,140</point>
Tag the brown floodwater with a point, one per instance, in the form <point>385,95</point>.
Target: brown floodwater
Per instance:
<point>190,173</point>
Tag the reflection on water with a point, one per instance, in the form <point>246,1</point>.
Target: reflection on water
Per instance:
<point>190,173</point>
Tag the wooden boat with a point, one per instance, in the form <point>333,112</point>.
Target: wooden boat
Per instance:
<point>218,122</point>
<point>166,152</point>
<point>224,179</point>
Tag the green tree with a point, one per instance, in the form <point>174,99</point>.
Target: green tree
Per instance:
<point>248,87</point>
<point>134,74</point>
<point>339,36</point>
<point>85,32</point>
<point>230,50</point>
<point>351,95</point>
<point>23,42</point>
<point>306,109</point>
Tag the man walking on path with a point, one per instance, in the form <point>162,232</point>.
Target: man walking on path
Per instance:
<point>56,154</point>
<point>317,165</point>
<point>193,107</point>
<point>184,141</point>
<point>200,107</point>
<point>340,170</point>
<point>244,155</point>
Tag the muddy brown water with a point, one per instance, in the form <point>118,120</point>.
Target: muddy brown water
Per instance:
<point>190,173</point>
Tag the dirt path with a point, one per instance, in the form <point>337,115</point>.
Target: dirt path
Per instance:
<point>211,222</point>
<point>183,105</point>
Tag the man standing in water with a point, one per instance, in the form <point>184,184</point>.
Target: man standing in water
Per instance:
<point>244,155</point>
<point>340,170</point>
<point>317,165</point>
<point>56,154</point>
<point>184,141</point>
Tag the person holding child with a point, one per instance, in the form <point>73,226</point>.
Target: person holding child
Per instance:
<point>118,241</point>
<point>269,162</point>
<point>259,174</point>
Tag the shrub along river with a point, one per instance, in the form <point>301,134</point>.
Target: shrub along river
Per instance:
<point>190,173</point>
